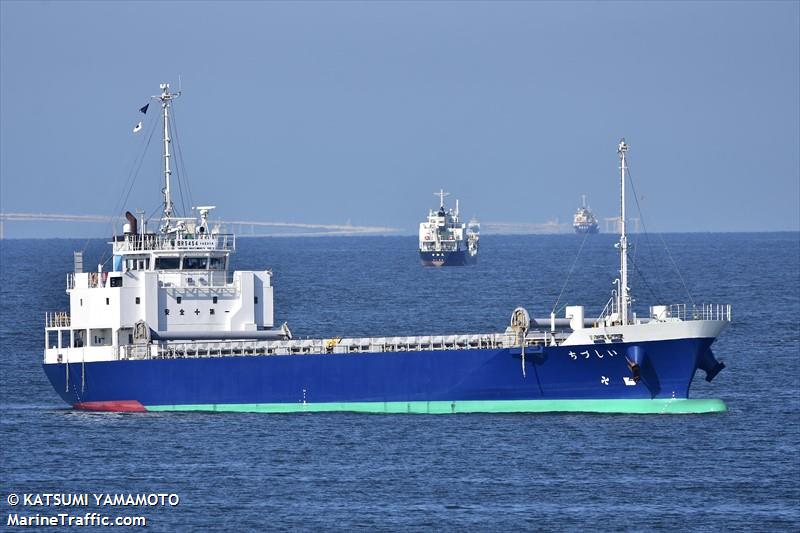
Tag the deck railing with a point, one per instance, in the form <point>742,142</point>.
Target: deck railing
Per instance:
<point>675,311</point>
<point>444,246</point>
<point>168,278</point>
<point>699,312</point>
<point>180,350</point>
<point>154,241</point>
<point>58,319</point>
<point>195,280</point>
<point>87,280</point>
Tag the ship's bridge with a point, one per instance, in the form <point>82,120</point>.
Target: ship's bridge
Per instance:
<point>155,242</point>
<point>187,251</point>
<point>182,244</point>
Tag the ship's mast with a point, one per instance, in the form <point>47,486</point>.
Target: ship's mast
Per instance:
<point>622,293</point>
<point>441,194</point>
<point>166,97</point>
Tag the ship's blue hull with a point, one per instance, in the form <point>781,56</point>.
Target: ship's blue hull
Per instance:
<point>459,258</point>
<point>594,372</point>
<point>586,228</point>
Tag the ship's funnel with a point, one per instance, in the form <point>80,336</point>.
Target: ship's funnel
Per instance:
<point>708,363</point>
<point>132,223</point>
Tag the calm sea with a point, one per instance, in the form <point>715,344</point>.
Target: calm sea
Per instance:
<point>733,471</point>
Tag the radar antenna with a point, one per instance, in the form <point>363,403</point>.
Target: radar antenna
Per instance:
<point>441,194</point>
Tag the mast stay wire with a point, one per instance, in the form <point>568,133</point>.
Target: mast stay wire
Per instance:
<point>634,258</point>
<point>153,213</point>
<point>644,228</point>
<point>178,173</point>
<point>179,151</point>
<point>663,242</point>
<point>130,180</point>
<point>183,175</point>
<point>653,293</point>
<point>133,174</point>
<point>569,274</point>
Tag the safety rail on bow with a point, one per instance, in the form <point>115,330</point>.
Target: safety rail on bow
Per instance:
<point>693,312</point>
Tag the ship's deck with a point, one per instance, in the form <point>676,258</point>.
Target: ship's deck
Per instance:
<point>59,323</point>
<point>336,345</point>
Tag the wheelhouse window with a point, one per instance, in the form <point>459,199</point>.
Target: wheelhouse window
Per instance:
<point>168,263</point>
<point>216,263</point>
<point>78,338</point>
<point>195,263</point>
<point>100,336</point>
<point>137,263</point>
<point>52,339</point>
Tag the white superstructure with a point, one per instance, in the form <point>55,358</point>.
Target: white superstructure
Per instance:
<point>170,285</point>
<point>444,232</point>
<point>584,220</point>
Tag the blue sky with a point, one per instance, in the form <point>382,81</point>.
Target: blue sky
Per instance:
<point>332,112</point>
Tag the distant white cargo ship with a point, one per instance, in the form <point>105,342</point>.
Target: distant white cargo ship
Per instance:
<point>446,241</point>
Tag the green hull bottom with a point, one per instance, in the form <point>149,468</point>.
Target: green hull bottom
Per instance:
<point>657,406</point>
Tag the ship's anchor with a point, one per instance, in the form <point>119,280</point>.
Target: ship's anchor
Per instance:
<point>520,322</point>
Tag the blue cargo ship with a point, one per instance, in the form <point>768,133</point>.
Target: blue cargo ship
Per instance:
<point>584,220</point>
<point>172,328</point>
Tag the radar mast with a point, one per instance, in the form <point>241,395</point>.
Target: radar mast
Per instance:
<point>623,295</point>
<point>165,98</point>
